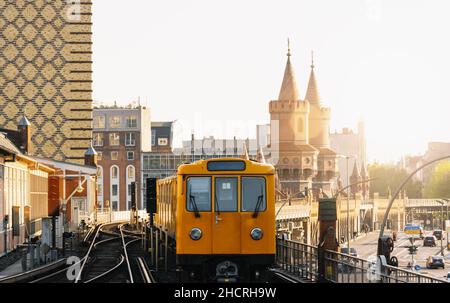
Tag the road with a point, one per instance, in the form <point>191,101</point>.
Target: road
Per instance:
<point>366,246</point>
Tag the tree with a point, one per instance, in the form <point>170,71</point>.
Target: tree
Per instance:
<point>439,184</point>
<point>388,176</point>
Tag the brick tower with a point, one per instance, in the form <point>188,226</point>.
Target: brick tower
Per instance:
<point>294,158</point>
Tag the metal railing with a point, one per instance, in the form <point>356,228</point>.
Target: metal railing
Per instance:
<point>298,259</point>
<point>116,216</point>
<point>342,268</point>
<point>400,275</point>
<point>302,260</point>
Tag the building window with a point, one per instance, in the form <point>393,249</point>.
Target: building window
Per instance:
<point>99,121</point>
<point>130,172</point>
<point>114,190</point>
<point>163,141</point>
<point>114,139</point>
<point>99,156</point>
<point>114,172</point>
<point>131,121</point>
<point>98,139</point>
<point>114,155</point>
<point>130,156</point>
<point>115,205</point>
<point>114,121</point>
<point>153,137</point>
<point>130,139</point>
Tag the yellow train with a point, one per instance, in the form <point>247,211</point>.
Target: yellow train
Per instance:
<point>220,214</point>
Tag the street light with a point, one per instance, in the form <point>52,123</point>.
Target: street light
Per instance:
<point>348,200</point>
<point>443,221</point>
<point>446,218</point>
<point>442,224</point>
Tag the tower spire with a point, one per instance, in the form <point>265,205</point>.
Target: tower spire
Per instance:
<point>312,92</point>
<point>289,48</point>
<point>289,90</point>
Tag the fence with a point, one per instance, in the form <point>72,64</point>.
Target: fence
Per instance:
<point>298,259</point>
<point>303,261</point>
<point>115,216</point>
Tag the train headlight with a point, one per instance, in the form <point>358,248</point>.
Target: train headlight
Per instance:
<point>195,233</point>
<point>256,233</point>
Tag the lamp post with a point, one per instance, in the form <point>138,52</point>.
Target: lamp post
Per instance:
<point>348,200</point>
<point>348,210</point>
<point>446,218</point>
<point>442,224</point>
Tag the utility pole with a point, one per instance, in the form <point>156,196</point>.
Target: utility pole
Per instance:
<point>443,228</point>
<point>442,225</point>
<point>447,218</point>
<point>348,208</point>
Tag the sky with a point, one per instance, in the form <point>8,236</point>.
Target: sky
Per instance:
<point>215,65</point>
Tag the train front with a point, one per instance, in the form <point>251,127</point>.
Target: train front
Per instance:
<point>225,220</point>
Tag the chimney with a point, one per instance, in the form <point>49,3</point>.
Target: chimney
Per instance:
<point>24,128</point>
<point>90,157</point>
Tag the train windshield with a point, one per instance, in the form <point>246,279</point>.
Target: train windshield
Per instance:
<point>199,194</point>
<point>253,194</point>
<point>226,196</point>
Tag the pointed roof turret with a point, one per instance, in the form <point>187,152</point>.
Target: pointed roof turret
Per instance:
<point>90,151</point>
<point>289,90</point>
<point>364,174</point>
<point>312,92</point>
<point>24,121</point>
<point>355,173</point>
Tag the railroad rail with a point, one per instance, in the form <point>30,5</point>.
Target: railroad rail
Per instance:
<point>109,259</point>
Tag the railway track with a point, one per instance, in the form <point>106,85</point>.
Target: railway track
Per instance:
<point>114,259</point>
<point>113,256</point>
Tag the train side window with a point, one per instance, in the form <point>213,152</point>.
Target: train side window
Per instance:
<point>198,193</point>
<point>226,195</point>
<point>253,193</point>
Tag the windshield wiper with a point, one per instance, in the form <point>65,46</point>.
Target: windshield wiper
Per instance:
<point>216,204</point>
<point>258,205</point>
<point>194,206</point>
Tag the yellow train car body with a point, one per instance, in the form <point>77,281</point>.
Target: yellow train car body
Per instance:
<point>222,208</point>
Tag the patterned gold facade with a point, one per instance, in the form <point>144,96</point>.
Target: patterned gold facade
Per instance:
<point>46,74</point>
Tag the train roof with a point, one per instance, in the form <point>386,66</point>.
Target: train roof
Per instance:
<point>206,166</point>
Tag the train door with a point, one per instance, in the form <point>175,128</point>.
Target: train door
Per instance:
<point>226,221</point>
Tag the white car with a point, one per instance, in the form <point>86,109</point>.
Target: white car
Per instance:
<point>448,276</point>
